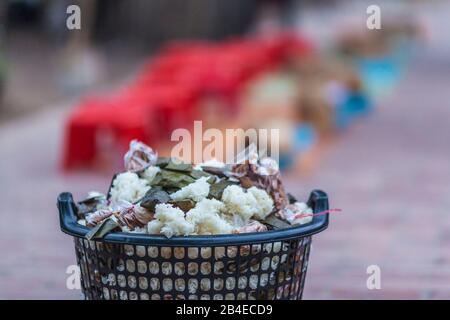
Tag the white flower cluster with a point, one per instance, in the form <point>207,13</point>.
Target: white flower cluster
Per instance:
<point>253,203</point>
<point>128,186</point>
<point>169,221</point>
<point>206,217</point>
<point>210,216</point>
<point>150,173</point>
<point>196,191</point>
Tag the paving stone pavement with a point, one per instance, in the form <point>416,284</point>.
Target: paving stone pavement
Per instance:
<point>389,173</point>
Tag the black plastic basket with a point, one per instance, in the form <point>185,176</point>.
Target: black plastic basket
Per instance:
<point>254,266</point>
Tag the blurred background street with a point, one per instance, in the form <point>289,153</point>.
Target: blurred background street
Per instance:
<point>388,171</point>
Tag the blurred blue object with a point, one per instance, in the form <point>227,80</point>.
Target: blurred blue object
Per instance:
<point>355,105</point>
<point>379,75</point>
<point>286,160</point>
<point>304,137</point>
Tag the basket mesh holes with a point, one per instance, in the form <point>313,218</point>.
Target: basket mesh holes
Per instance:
<point>166,268</point>
<point>154,284</point>
<point>253,281</point>
<point>265,263</point>
<point>142,266</point>
<point>152,252</point>
<point>114,295</point>
<point>218,284</point>
<point>131,266</point>
<point>120,265</point>
<point>167,284</point>
<point>193,253</point>
<point>205,268</point>
<point>205,284</point>
<point>229,296</point>
<point>219,253</point>
<point>179,268</point>
<point>280,277</point>
<point>123,295</point>
<point>105,293</point>
<point>166,252</point>
<point>192,285</point>
<point>275,261</point>
<point>242,282</point>
<point>254,271</point>
<point>140,251</point>
<point>144,296</point>
<point>132,283</point>
<point>121,280</point>
<point>230,283</point>
<point>254,265</point>
<point>276,247</point>
<point>206,252</point>
<point>192,268</point>
<point>153,267</point>
<point>264,279</point>
<point>232,251</point>
<point>133,296</point>
<point>178,252</point>
<point>143,283</point>
<point>180,284</point>
<point>129,250</point>
<point>244,250</point>
<point>241,296</point>
<point>218,267</point>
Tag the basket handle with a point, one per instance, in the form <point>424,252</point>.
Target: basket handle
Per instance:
<point>318,201</point>
<point>67,218</point>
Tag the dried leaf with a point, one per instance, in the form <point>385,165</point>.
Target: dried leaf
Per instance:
<point>178,166</point>
<point>184,205</point>
<point>162,162</point>
<point>154,196</point>
<point>220,172</point>
<point>90,204</point>
<point>172,179</point>
<point>216,189</point>
<point>197,174</point>
<point>276,223</point>
<point>102,229</point>
<point>291,198</point>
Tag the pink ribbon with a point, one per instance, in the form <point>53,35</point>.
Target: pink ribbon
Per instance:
<point>301,215</point>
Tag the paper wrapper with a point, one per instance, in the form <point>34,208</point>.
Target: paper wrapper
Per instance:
<point>263,174</point>
<point>139,157</point>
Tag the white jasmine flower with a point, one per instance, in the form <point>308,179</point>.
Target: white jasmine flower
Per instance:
<point>210,163</point>
<point>150,173</point>
<point>237,201</point>
<point>172,221</point>
<point>205,216</point>
<point>253,203</point>
<point>127,186</point>
<point>264,202</point>
<point>196,191</point>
